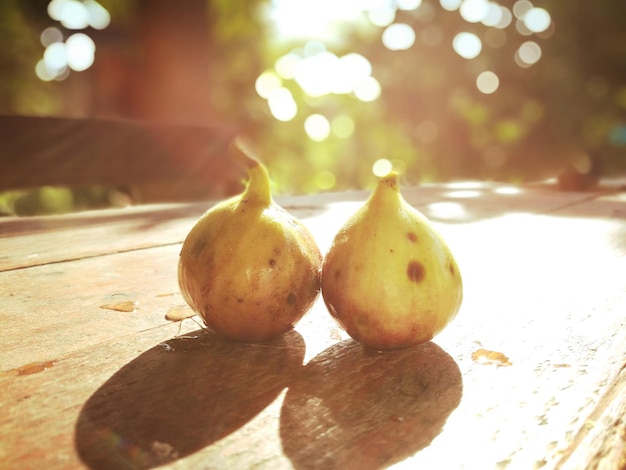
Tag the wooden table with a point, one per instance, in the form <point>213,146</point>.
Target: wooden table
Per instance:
<point>531,374</point>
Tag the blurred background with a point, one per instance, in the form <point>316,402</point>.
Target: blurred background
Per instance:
<point>335,92</point>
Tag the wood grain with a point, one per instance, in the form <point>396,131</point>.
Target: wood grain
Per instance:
<point>545,286</point>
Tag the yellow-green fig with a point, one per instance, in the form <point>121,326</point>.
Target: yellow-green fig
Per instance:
<point>249,268</point>
<point>389,278</point>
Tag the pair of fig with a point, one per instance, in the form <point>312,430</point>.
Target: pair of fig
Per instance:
<point>251,270</point>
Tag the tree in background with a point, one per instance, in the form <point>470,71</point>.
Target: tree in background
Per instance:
<point>523,107</point>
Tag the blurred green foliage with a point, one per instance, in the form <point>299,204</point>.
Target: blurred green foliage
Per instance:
<point>430,120</point>
<point>542,118</point>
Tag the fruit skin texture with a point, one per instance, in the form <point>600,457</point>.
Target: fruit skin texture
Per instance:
<point>389,279</point>
<point>249,268</point>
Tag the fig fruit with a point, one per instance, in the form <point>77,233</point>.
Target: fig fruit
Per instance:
<point>249,268</point>
<point>389,278</point>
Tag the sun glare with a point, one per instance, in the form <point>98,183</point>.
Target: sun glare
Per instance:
<point>305,19</point>
<point>317,72</point>
<point>319,25</point>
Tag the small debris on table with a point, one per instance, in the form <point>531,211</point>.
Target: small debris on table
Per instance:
<point>164,452</point>
<point>128,306</point>
<point>35,367</point>
<point>485,356</point>
<point>179,313</point>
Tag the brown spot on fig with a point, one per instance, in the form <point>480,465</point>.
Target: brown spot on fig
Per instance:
<point>291,298</point>
<point>337,274</point>
<point>240,300</point>
<point>272,262</point>
<point>415,271</point>
<point>412,237</point>
<point>451,268</point>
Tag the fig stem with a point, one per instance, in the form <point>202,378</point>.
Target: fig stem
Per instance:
<point>387,190</point>
<point>258,188</point>
<point>391,180</point>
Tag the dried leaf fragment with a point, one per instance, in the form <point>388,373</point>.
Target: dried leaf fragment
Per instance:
<point>35,367</point>
<point>179,313</point>
<point>128,306</point>
<point>485,356</point>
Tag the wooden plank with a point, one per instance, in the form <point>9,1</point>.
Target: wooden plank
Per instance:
<point>39,151</point>
<point>532,295</point>
<point>92,233</point>
<point>153,162</point>
<point>62,305</point>
<point>601,443</point>
<point>545,291</point>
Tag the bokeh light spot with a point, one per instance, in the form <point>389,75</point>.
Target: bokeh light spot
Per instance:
<point>351,69</point>
<point>325,180</point>
<point>55,57</point>
<point>51,35</point>
<point>521,7</point>
<point>487,82</point>
<point>474,11</point>
<point>467,45</point>
<point>382,15</point>
<point>368,89</point>
<point>398,37</point>
<point>342,126</point>
<point>506,19</point>
<point>287,65</point>
<point>314,47</point>
<point>73,14</point>
<point>80,50</point>
<point>317,127</point>
<point>266,83</point>
<point>450,5</point>
<point>494,15</point>
<point>408,4</point>
<point>537,20</point>
<point>495,37</point>
<point>316,74</point>
<point>528,54</point>
<point>521,28</point>
<point>282,105</point>
<point>382,167</point>
<point>508,131</point>
<point>43,72</point>
<point>98,16</point>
